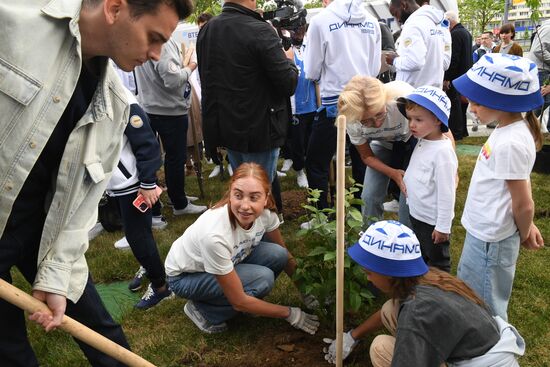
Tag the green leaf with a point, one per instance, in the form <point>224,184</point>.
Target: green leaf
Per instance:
<point>311,208</point>
<point>354,301</point>
<point>330,256</point>
<point>355,214</point>
<point>317,251</point>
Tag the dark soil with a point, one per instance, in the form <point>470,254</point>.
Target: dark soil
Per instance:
<point>301,350</point>
<point>292,203</point>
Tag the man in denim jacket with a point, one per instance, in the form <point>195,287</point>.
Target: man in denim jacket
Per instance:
<point>63,116</point>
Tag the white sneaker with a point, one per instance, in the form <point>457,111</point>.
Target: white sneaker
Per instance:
<point>190,209</point>
<point>391,206</point>
<point>312,222</point>
<point>301,178</point>
<point>95,231</point>
<point>122,244</point>
<point>215,172</point>
<point>229,170</point>
<point>159,222</point>
<point>308,224</point>
<point>192,198</point>
<point>286,165</point>
<point>281,174</point>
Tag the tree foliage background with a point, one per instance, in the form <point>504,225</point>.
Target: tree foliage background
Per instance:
<point>214,7</point>
<point>476,14</point>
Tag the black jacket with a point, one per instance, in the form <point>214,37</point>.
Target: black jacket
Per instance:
<point>246,81</point>
<point>461,57</point>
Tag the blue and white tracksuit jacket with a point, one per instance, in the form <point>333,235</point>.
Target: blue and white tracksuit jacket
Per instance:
<point>140,155</point>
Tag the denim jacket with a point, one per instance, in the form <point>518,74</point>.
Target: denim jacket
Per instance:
<point>40,63</point>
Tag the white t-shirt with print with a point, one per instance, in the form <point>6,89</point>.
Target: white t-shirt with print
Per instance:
<point>508,154</point>
<point>211,245</point>
<point>431,181</point>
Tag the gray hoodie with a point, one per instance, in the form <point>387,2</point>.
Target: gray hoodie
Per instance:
<point>163,87</point>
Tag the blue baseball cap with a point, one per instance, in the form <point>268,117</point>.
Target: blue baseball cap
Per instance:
<point>389,248</point>
<point>502,82</point>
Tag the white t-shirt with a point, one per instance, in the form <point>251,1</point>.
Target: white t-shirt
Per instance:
<point>210,244</point>
<point>508,154</point>
<point>395,128</point>
<point>431,181</point>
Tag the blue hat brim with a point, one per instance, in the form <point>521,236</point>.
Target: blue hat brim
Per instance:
<point>427,104</point>
<point>388,267</point>
<point>497,101</point>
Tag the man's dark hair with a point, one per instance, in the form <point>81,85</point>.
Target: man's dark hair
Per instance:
<point>489,33</point>
<point>204,18</point>
<point>183,8</point>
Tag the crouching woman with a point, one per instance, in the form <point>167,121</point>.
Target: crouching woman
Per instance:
<point>227,261</point>
<point>433,317</point>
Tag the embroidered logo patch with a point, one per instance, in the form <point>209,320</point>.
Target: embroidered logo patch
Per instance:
<point>136,121</point>
<point>407,42</point>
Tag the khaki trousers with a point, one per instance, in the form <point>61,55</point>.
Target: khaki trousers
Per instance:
<point>381,349</point>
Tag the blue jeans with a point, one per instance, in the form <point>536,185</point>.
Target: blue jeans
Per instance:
<point>267,159</point>
<point>489,269</point>
<point>173,134</point>
<point>375,186</point>
<point>257,274</point>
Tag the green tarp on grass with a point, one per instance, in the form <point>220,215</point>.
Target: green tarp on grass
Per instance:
<point>462,149</point>
<point>117,298</point>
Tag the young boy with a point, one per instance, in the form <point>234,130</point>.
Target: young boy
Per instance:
<point>430,179</point>
<point>135,176</point>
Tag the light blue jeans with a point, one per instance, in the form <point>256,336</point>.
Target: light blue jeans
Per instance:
<point>375,187</point>
<point>267,159</point>
<point>257,273</point>
<point>489,269</point>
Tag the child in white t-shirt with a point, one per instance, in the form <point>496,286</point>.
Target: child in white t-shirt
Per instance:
<point>499,209</point>
<point>430,178</point>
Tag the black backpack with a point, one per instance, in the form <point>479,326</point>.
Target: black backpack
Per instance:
<point>109,214</point>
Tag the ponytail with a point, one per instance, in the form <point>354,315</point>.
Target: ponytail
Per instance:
<point>401,288</point>
<point>534,126</point>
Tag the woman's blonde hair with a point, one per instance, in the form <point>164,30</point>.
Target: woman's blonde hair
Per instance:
<point>247,170</point>
<point>362,94</point>
<point>401,288</point>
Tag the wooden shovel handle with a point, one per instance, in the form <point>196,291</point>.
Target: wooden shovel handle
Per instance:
<point>26,302</point>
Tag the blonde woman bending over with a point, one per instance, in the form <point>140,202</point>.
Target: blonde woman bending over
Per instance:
<point>382,137</point>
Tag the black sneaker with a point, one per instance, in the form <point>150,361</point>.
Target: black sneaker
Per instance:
<point>135,284</point>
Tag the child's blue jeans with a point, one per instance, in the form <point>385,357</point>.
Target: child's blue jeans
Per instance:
<point>489,269</point>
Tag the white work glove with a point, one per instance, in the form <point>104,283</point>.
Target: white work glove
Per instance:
<point>310,301</point>
<point>348,345</point>
<point>303,321</point>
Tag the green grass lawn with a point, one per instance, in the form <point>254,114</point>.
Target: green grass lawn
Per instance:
<point>166,337</point>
